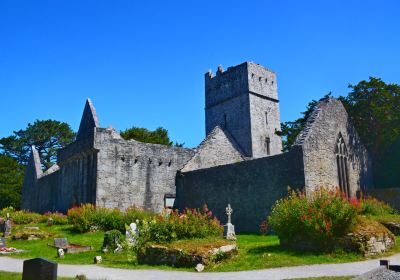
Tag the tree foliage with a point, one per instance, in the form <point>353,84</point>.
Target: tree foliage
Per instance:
<point>11,177</point>
<point>158,136</point>
<point>47,135</point>
<point>374,107</point>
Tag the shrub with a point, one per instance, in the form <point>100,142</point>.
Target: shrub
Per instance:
<point>58,218</point>
<point>111,239</point>
<point>22,217</point>
<point>88,217</point>
<point>372,206</point>
<point>317,220</point>
<point>172,225</point>
<point>82,218</point>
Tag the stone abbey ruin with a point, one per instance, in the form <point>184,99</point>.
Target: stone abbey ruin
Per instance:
<point>240,161</point>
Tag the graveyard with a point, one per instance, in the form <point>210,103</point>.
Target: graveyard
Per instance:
<point>191,241</point>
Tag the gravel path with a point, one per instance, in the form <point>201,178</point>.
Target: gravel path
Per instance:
<point>99,272</point>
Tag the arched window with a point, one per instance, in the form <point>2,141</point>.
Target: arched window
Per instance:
<point>342,165</point>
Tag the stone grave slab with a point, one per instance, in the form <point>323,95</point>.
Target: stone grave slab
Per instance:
<point>61,242</point>
<point>39,269</point>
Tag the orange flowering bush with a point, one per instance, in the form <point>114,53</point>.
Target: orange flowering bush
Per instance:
<point>192,223</point>
<point>318,219</point>
<point>372,206</point>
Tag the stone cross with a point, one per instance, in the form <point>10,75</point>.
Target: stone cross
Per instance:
<point>229,211</point>
<point>229,229</point>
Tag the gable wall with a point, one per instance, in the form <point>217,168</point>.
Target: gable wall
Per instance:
<point>215,150</point>
<point>320,165</point>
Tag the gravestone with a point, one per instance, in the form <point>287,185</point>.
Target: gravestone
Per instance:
<point>60,253</point>
<point>229,229</point>
<point>50,222</point>
<point>39,269</point>
<point>60,242</point>
<point>132,234</point>
<point>8,226</point>
<point>3,242</point>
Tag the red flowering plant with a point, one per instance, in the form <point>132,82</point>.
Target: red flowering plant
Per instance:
<point>58,218</point>
<point>318,219</point>
<point>192,223</point>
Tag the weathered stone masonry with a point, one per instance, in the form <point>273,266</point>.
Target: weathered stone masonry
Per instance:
<point>239,162</point>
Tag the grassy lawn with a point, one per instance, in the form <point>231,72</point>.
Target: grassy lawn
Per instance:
<point>18,276</point>
<point>255,252</point>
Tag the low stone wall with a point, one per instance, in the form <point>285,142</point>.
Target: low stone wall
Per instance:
<point>390,196</point>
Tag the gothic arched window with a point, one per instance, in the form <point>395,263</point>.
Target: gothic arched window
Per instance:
<point>342,165</point>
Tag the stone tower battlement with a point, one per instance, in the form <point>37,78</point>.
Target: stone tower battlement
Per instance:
<point>244,101</point>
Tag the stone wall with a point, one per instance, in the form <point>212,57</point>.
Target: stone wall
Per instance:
<point>233,116</point>
<point>390,196</point>
<point>131,173</point>
<point>319,140</point>
<point>217,149</point>
<point>240,100</point>
<point>68,183</point>
<point>251,187</point>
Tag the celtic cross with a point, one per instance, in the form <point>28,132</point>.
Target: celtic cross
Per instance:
<point>229,212</point>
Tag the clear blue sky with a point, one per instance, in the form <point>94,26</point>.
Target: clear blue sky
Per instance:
<point>143,62</point>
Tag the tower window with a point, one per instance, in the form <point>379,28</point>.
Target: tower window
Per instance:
<point>266,80</point>
<point>266,118</point>
<point>268,145</point>
<point>259,79</point>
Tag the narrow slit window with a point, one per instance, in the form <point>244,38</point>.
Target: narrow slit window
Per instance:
<point>266,118</point>
<point>268,145</point>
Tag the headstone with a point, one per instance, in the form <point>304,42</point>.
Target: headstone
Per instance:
<point>31,228</point>
<point>131,234</point>
<point>60,242</point>
<point>8,226</point>
<point>97,259</point>
<point>199,267</point>
<point>229,229</point>
<point>50,222</point>
<point>61,253</point>
<point>39,269</point>
<point>3,242</point>
<point>119,248</point>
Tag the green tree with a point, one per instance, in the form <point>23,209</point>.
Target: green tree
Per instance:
<point>47,135</point>
<point>158,136</point>
<point>11,177</point>
<point>290,130</point>
<point>374,107</point>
